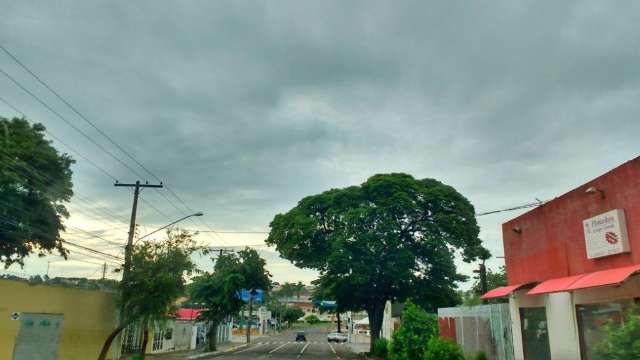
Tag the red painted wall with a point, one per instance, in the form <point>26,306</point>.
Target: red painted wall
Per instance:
<point>552,243</point>
<point>447,328</point>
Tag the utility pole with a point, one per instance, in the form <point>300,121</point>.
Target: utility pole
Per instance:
<point>104,270</point>
<point>132,227</point>
<point>482,274</point>
<point>221,251</point>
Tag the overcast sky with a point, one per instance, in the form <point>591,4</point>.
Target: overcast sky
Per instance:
<point>245,107</point>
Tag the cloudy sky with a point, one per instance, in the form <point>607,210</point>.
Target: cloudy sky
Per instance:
<point>244,107</point>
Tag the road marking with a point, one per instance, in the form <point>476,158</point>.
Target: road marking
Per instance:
<point>332,349</point>
<point>278,348</point>
<point>302,351</point>
<point>249,348</point>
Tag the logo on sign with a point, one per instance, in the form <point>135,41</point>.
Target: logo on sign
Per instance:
<point>611,237</point>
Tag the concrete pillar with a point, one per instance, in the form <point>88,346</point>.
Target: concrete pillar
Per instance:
<point>563,327</point>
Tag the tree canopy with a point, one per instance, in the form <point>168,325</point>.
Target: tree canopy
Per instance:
<point>218,292</point>
<point>35,183</point>
<point>391,238</point>
<point>156,280</point>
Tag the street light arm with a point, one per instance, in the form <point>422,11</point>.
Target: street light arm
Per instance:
<point>166,226</point>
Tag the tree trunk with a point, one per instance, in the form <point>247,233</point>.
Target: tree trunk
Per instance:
<point>249,320</point>
<point>145,340</point>
<point>375,314</point>
<point>338,316</point>
<point>213,336</point>
<point>108,342</point>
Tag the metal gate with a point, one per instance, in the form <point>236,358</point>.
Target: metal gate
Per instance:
<point>39,337</point>
<point>182,335</point>
<point>485,328</point>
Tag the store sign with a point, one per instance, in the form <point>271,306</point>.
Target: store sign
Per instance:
<point>606,234</point>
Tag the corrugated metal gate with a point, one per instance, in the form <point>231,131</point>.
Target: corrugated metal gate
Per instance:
<point>39,337</point>
<point>485,328</point>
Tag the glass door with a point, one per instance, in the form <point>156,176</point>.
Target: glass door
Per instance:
<point>535,333</point>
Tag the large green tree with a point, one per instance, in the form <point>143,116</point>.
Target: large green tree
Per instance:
<point>155,282</point>
<point>35,183</point>
<point>217,293</point>
<point>391,238</point>
<point>254,277</point>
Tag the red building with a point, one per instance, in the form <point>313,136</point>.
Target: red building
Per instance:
<point>570,266</point>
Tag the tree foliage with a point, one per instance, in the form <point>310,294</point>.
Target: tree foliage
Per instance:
<point>417,328</point>
<point>623,339</point>
<point>292,314</point>
<point>389,239</point>
<point>155,281</point>
<point>311,319</point>
<point>443,349</point>
<point>35,183</point>
<point>494,279</point>
<point>217,292</point>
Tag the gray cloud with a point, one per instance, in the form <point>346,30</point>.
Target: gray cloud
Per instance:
<point>245,107</point>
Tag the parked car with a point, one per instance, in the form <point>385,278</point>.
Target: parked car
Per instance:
<point>300,336</point>
<point>337,337</point>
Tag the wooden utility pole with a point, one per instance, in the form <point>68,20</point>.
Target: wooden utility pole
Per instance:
<point>221,251</point>
<point>104,270</point>
<point>132,228</point>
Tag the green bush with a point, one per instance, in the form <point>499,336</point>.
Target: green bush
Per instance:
<point>380,348</point>
<point>480,356</point>
<point>417,327</point>
<point>442,349</point>
<point>623,340</point>
<point>312,319</point>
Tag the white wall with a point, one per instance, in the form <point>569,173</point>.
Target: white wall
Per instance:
<point>563,328</point>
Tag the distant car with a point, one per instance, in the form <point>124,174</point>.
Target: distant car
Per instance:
<point>300,336</point>
<point>337,337</point>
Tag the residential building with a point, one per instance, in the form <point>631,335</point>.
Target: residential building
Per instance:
<point>40,319</point>
<point>571,264</point>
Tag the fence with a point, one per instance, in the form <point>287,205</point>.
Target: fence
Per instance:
<point>485,328</point>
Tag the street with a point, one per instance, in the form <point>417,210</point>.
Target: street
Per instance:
<point>284,346</point>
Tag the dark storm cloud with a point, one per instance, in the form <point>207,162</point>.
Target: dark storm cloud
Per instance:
<point>245,107</point>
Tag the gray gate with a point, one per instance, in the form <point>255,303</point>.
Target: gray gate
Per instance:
<point>39,337</point>
<point>182,335</point>
<point>485,328</point>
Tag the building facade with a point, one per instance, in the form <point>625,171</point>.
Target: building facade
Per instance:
<point>570,266</point>
<point>39,321</point>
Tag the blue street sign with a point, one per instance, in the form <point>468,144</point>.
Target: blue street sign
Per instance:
<point>245,295</point>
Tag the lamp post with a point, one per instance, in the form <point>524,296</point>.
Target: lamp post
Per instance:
<point>199,213</point>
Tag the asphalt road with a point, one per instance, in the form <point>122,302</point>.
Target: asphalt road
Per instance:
<point>284,346</point>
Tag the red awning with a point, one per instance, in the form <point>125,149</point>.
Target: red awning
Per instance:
<point>605,277</point>
<point>502,291</point>
<point>584,281</point>
<point>187,314</point>
<point>554,285</point>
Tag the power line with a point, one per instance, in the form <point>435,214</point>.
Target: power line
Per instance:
<point>81,115</point>
<point>39,178</point>
<point>525,206</point>
<point>49,133</point>
<point>10,222</point>
<point>39,100</point>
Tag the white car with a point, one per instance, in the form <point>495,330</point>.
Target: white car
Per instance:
<point>337,337</point>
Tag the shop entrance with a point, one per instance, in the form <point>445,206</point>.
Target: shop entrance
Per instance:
<point>535,333</point>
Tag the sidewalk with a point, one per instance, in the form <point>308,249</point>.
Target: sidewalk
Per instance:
<point>235,343</point>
